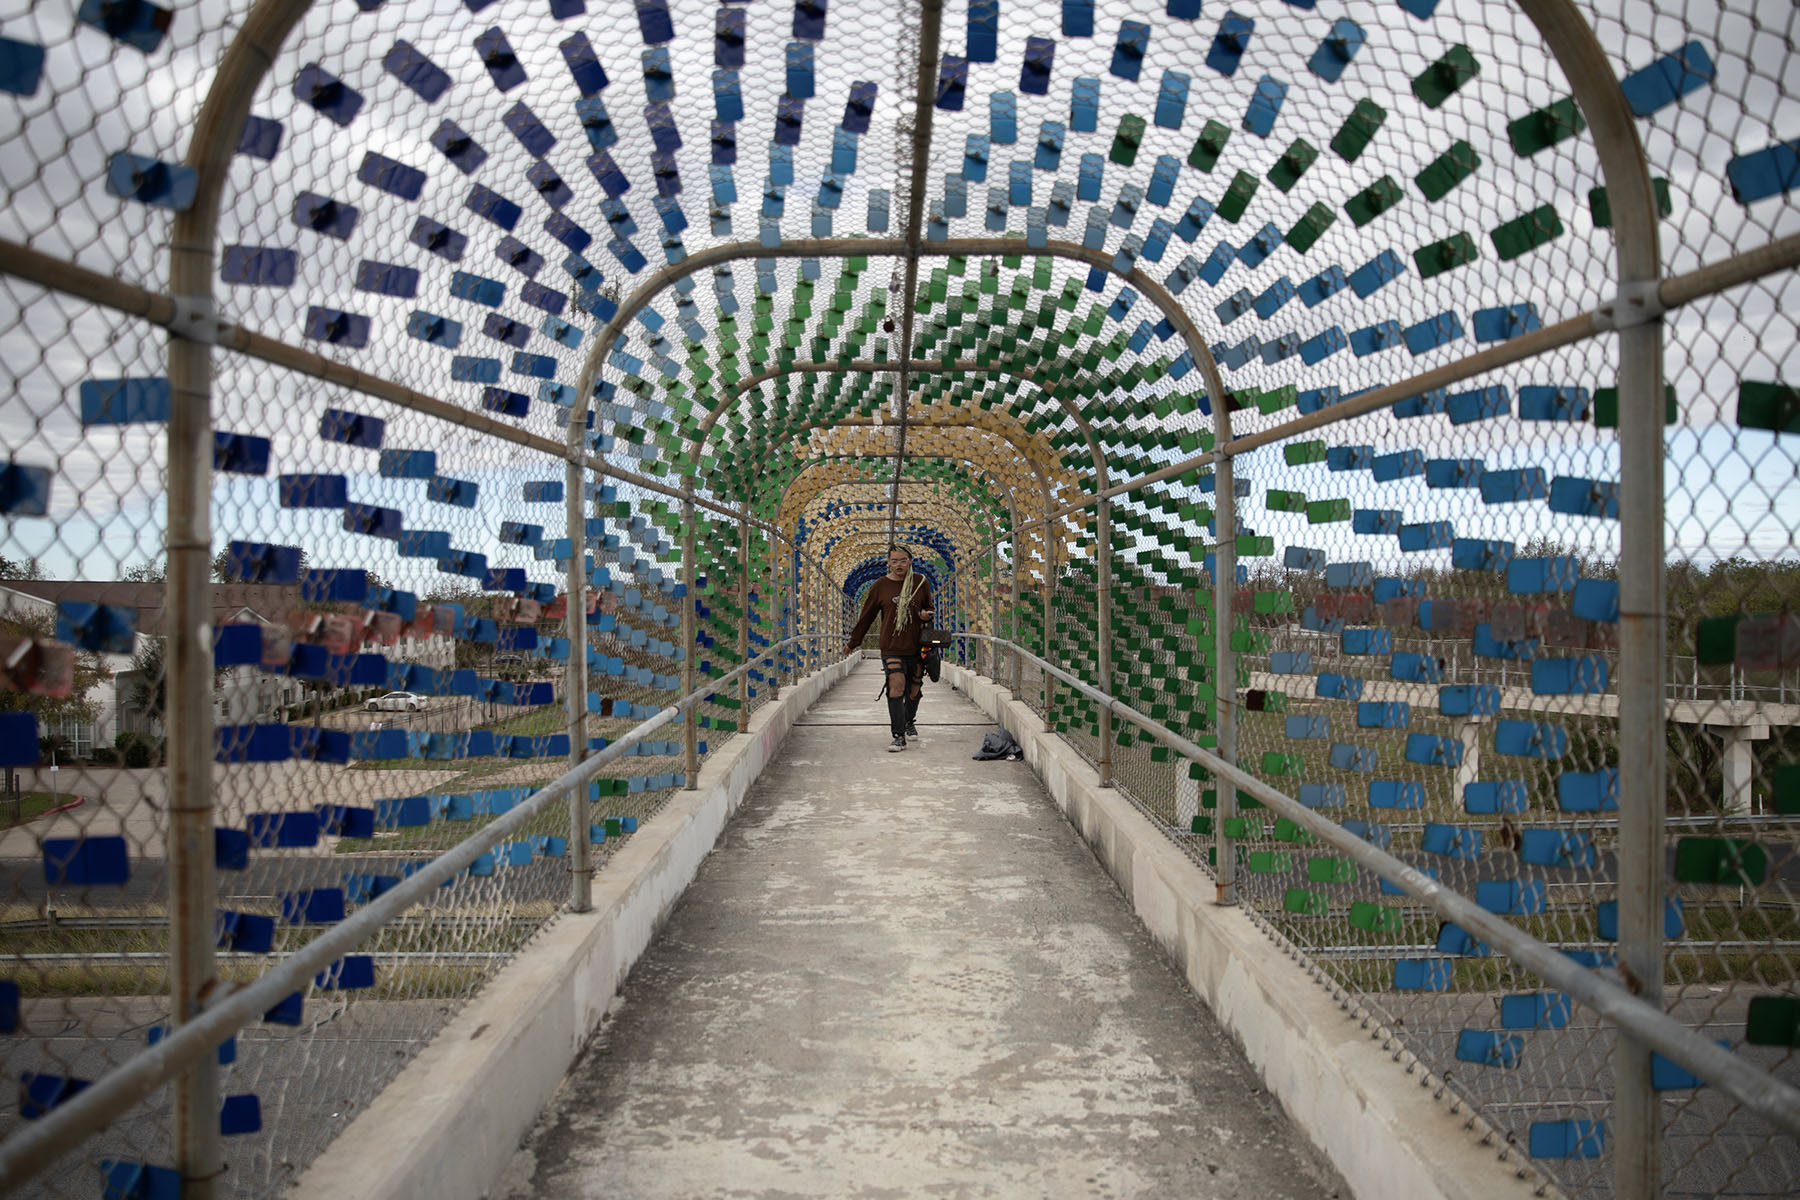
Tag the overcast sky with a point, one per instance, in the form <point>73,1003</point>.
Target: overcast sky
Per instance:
<point>1730,491</point>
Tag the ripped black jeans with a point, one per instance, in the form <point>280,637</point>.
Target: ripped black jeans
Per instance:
<point>905,684</point>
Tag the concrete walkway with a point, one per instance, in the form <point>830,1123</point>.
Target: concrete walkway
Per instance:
<point>905,975</point>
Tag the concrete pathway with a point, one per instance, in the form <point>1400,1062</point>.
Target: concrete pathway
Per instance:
<point>904,975</point>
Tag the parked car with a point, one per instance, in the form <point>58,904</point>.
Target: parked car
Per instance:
<point>396,702</point>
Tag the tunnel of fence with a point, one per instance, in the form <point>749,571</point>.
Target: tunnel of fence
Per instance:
<point>432,430</point>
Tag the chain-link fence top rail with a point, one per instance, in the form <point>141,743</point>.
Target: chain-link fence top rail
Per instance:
<point>455,201</point>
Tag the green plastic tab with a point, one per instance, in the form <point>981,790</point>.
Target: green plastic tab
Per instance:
<point>1606,407</point>
<point>1254,546</point>
<point>1446,255</point>
<point>1239,827</point>
<point>1547,126</point>
<point>1438,82</point>
<point>1209,145</point>
<point>1373,200</point>
<point>1526,233</point>
<point>1299,900</point>
<point>1601,207</point>
<point>1269,862</point>
<point>1359,127</point>
<point>1271,604</point>
<point>1326,512</point>
<point>1374,918</point>
<point>1280,501</point>
<point>1276,399</point>
<point>1723,861</point>
<point>1773,1021</point>
<point>1237,196</point>
<point>1331,870</point>
<point>1771,406</point>
<point>1292,164</point>
<point>1308,229</point>
<point>1127,140</point>
<point>1274,763</point>
<point>1447,170</point>
<point>1715,641</point>
<point>1298,453</point>
<point>1290,831</point>
<point>1784,795</point>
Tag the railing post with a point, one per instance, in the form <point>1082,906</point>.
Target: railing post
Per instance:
<point>1049,605</point>
<point>188,654</point>
<point>575,677</point>
<point>773,614</point>
<point>994,611</point>
<point>1643,617</point>
<point>1103,583</point>
<point>690,580</point>
<point>1224,664</point>
<point>744,688</point>
<point>1012,624</point>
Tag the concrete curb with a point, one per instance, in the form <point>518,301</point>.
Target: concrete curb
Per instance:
<point>450,1123</point>
<point>1384,1133</point>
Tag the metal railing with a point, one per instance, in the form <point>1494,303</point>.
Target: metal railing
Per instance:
<point>1611,998</point>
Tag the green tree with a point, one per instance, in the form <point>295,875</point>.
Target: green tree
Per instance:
<point>11,569</point>
<point>149,691</point>
<point>146,572</point>
<point>52,711</point>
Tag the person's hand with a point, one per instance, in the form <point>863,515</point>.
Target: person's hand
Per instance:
<point>927,612</point>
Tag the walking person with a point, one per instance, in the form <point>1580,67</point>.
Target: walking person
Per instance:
<point>902,599</point>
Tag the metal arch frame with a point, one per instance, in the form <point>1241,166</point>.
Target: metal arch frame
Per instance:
<point>937,426</point>
<point>193,897</point>
<point>992,551</point>
<point>1006,492</point>
<point>1643,618</point>
<point>920,366</point>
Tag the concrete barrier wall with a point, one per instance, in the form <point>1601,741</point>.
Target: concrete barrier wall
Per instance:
<point>449,1124</point>
<point>1385,1133</point>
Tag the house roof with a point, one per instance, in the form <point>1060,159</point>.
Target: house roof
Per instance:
<point>268,603</point>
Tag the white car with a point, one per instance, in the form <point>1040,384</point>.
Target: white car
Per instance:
<point>396,702</point>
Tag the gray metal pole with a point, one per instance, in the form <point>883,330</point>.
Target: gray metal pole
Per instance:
<point>690,575</point>
<point>575,675</point>
<point>1643,630</point>
<point>1049,605</point>
<point>1224,666</point>
<point>188,655</point>
<point>1103,582</point>
<point>744,688</point>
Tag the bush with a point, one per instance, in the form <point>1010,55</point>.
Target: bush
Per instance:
<point>124,738</point>
<point>105,757</point>
<point>137,754</point>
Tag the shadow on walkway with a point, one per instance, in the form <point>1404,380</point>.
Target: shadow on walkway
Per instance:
<point>905,975</point>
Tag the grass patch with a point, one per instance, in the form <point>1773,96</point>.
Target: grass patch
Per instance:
<point>31,806</point>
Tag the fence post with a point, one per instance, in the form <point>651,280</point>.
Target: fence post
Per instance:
<point>1224,664</point>
<point>1012,623</point>
<point>575,677</point>
<point>188,653</point>
<point>1643,619</point>
<point>1103,582</point>
<point>744,688</point>
<point>1049,606</point>
<point>690,578</point>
